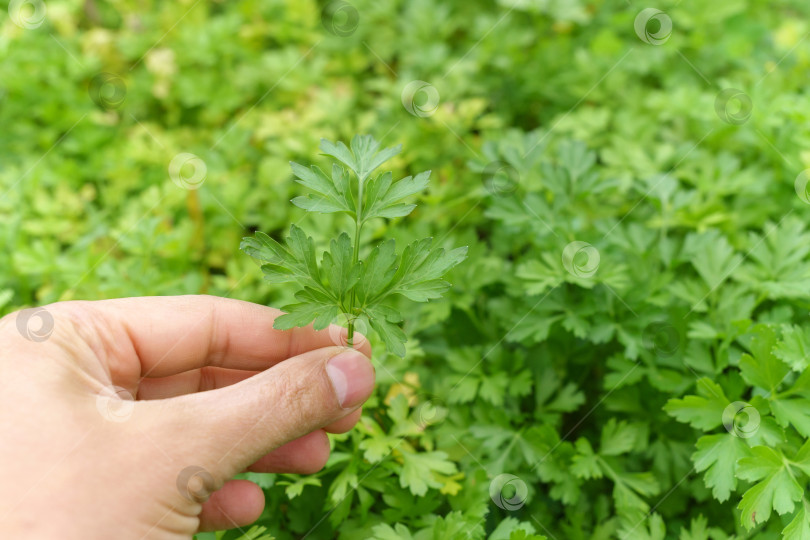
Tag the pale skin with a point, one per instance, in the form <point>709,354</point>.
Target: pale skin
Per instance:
<point>216,389</point>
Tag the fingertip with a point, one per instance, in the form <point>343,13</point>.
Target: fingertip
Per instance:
<point>346,423</point>
<point>352,376</point>
<point>295,397</point>
<point>237,504</point>
<point>304,455</point>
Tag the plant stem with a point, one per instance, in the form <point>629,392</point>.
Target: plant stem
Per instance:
<point>358,225</point>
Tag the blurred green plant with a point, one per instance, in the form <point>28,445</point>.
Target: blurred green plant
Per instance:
<point>638,249</point>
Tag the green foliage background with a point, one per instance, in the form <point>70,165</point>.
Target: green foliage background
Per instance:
<point>604,392</point>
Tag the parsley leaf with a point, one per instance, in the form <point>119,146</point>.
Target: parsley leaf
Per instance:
<point>776,487</point>
<point>704,411</point>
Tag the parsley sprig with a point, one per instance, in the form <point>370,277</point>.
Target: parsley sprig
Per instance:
<point>361,288</point>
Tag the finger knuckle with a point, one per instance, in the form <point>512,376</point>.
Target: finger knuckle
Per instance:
<point>299,393</point>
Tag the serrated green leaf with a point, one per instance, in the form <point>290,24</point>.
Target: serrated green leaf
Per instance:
<point>313,203</point>
<point>313,305</point>
<point>331,194</point>
<point>585,464</point>
<point>420,270</point>
<point>384,531</point>
<point>377,271</point>
<point>643,483</point>
<point>704,411</point>
<point>338,267</point>
<point>384,198</point>
<point>374,191</point>
<point>340,152</point>
<point>280,274</point>
<point>762,368</point>
<point>363,157</point>
<point>294,262</point>
<point>712,256</point>
<point>619,438</point>
<point>418,471</point>
<point>628,503</point>
<point>775,489</point>
<point>384,321</point>
<point>264,248</point>
<point>698,529</point>
<point>794,347</point>
<point>799,526</point>
<point>795,412</point>
<point>718,455</point>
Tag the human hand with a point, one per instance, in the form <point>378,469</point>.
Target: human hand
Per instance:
<point>218,391</point>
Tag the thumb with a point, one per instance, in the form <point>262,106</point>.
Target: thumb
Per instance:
<point>236,425</point>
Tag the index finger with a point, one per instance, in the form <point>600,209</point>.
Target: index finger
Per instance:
<point>174,334</point>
